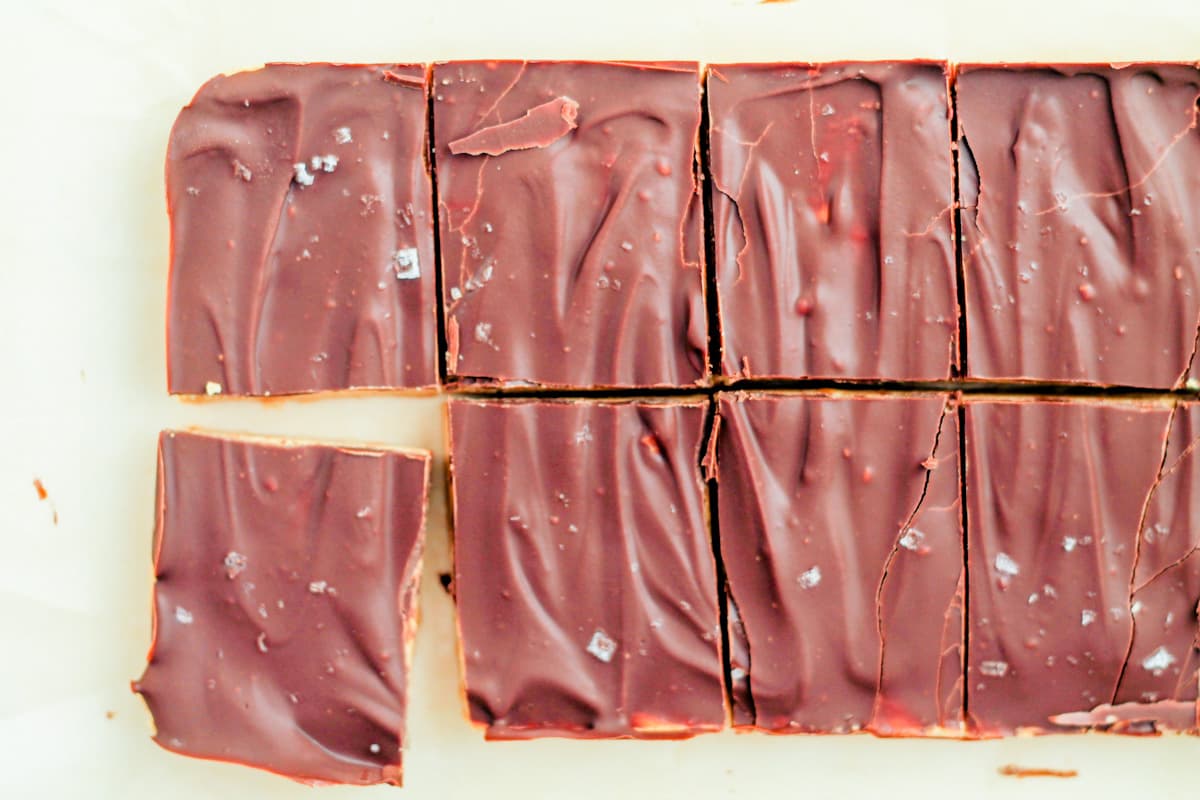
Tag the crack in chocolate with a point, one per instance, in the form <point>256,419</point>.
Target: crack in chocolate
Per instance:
<point>503,94</point>
<point>737,210</point>
<point>474,209</point>
<point>957,602</point>
<point>1174,564</point>
<point>703,168</point>
<point>746,680</point>
<point>1130,186</point>
<point>708,470</point>
<point>934,220</point>
<point>1137,549</point>
<point>1185,379</point>
<point>958,356</point>
<point>904,530</point>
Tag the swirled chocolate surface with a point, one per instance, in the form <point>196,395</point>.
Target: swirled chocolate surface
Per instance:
<point>583,569</point>
<point>1080,189</point>
<point>1072,514</point>
<point>302,254</point>
<point>571,236</point>
<point>832,200</point>
<point>840,528</point>
<point>285,605</point>
<point>1162,665</point>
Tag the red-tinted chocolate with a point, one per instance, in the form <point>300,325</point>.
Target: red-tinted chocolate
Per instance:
<point>840,528</point>
<point>832,197</point>
<point>285,605</point>
<point>302,251</point>
<point>584,574</point>
<point>1081,219</point>
<point>1056,495</point>
<point>1164,656</point>
<point>571,223</point>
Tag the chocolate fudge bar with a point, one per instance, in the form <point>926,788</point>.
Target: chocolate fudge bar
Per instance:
<point>285,605</point>
<point>841,531</point>
<point>1157,690</point>
<point>302,254</point>
<point>1080,188</point>
<point>1083,559</point>
<point>571,238</point>
<point>583,569</point>
<point>832,200</point>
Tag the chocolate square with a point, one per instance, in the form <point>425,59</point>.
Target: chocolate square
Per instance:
<point>841,531</point>
<point>571,237</point>
<point>285,605</point>
<point>1080,188</point>
<point>583,569</point>
<point>302,254</point>
<point>1163,663</point>
<point>1082,575</point>
<point>832,200</point>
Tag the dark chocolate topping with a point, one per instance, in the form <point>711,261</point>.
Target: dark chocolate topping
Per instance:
<point>285,605</point>
<point>841,535</point>
<point>302,251</point>
<point>1164,655</point>
<point>584,574</point>
<point>1081,216</point>
<point>832,200</point>
<point>572,258</point>
<point>1056,493</point>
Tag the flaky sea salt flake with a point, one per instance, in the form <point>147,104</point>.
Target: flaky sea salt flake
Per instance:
<point>912,538</point>
<point>302,175</point>
<point>809,578</point>
<point>602,646</point>
<point>994,669</point>
<point>406,263</point>
<point>1006,566</point>
<point>235,564</point>
<point>1157,662</point>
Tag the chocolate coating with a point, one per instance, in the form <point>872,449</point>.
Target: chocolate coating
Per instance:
<point>1056,493</point>
<point>302,254</point>
<point>832,199</point>
<point>1081,216</point>
<point>285,605</point>
<point>573,257</point>
<point>1164,656</point>
<point>841,534</point>
<point>583,569</point>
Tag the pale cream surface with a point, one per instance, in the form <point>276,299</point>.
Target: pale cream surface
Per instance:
<point>88,96</point>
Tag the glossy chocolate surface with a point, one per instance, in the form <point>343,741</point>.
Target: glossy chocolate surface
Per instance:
<point>584,574</point>
<point>285,605</point>
<point>1060,620</point>
<point>1163,663</point>
<point>840,528</point>
<point>1081,216</point>
<point>832,199</point>
<point>302,253</point>
<point>571,236</point>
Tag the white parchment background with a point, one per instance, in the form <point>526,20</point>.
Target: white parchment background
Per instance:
<point>88,92</point>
